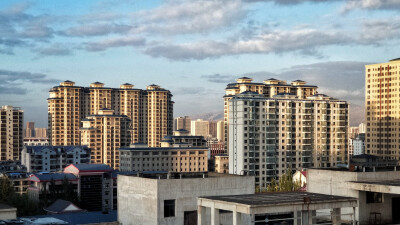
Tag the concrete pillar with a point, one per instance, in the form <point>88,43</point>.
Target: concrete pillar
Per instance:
<point>336,214</point>
<point>237,218</point>
<point>201,213</point>
<point>311,217</point>
<point>304,218</point>
<point>354,215</point>
<point>296,217</point>
<point>214,216</point>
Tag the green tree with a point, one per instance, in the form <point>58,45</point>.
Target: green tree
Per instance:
<point>69,193</point>
<point>25,207</point>
<point>285,183</point>
<point>6,189</point>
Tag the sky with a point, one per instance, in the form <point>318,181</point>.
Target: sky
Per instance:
<point>193,48</point>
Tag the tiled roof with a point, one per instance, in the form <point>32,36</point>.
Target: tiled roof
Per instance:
<point>59,206</point>
<point>54,176</point>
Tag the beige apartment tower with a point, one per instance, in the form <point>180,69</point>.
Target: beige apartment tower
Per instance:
<point>150,110</point>
<point>183,123</point>
<point>104,134</point>
<point>382,98</point>
<point>11,138</point>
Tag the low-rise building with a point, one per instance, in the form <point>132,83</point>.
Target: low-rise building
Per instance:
<point>377,191</point>
<point>53,158</point>
<point>189,159</point>
<point>359,145</point>
<point>95,184</point>
<point>182,138</point>
<point>217,149</point>
<point>41,183</point>
<point>19,181</point>
<point>172,198</point>
<point>96,187</point>
<point>221,163</point>
<point>36,141</point>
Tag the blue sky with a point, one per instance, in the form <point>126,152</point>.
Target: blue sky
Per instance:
<point>193,48</point>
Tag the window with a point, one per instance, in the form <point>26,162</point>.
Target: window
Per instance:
<point>169,208</point>
<point>374,197</point>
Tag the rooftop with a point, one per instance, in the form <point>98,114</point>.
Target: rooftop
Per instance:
<point>177,175</point>
<point>279,198</point>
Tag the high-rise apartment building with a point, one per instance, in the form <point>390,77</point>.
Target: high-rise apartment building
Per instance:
<point>269,134</point>
<point>220,131</point>
<point>29,130</point>
<point>149,110</point>
<point>212,129</point>
<point>11,127</point>
<point>104,133</point>
<point>200,127</point>
<point>382,82</point>
<point>182,123</point>
<point>268,89</point>
<point>159,114</point>
<point>40,132</point>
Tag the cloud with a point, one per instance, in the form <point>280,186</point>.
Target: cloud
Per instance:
<point>189,90</point>
<point>291,2</point>
<point>302,40</point>
<point>182,17</point>
<point>114,42</point>
<point>96,30</point>
<point>54,50</point>
<point>371,5</point>
<point>11,81</point>
<point>218,78</point>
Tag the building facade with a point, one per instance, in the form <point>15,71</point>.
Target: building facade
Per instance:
<point>11,132</point>
<point>382,109</point>
<point>172,199</point>
<point>220,131</point>
<point>221,163</point>
<point>53,158</point>
<point>34,141</point>
<point>267,136</point>
<point>200,127</point>
<point>359,145</point>
<point>268,89</point>
<point>178,153</point>
<point>149,110</point>
<point>175,159</point>
<point>104,133</point>
<point>182,123</point>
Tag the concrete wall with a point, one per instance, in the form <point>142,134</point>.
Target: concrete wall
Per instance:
<point>141,200</point>
<point>336,183</point>
<point>8,214</point>
<point>186,191</point>
<point>137,201</point>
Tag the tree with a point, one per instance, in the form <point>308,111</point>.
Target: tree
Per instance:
<point>6,189</point>
<point>69,193</point>
<point>286,183</point>
<point>25,207</point>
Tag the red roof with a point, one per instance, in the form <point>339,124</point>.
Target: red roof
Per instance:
<point>304,173</point>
